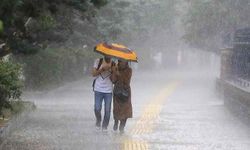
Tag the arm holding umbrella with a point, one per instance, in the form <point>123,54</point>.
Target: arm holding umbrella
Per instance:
<point>115,73</point>
<point>100,69</point>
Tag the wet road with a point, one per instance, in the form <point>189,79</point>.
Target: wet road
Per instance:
<point>172,111</point>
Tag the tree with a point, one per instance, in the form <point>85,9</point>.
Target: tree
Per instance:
<point>207,22</point>
<point>31,25</point>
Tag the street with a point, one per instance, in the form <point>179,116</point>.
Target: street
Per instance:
<point>172,110</point>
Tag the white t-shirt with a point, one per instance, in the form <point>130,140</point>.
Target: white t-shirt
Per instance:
<point>103,83</point>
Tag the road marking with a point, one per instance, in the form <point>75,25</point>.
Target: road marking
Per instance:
<point>135,145</point>
<point>150,113</point>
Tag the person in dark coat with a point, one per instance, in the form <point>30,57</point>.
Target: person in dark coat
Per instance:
<point>122,108</point>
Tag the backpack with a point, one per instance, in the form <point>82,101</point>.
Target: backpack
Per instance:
<point>98,67</point>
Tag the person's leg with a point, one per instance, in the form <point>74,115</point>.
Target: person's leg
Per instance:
<point>98,108</point>
<point>115,125</point>
<point>107,100</point>
<point>122,125</point>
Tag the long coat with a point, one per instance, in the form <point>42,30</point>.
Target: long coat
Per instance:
<point>122,110</point>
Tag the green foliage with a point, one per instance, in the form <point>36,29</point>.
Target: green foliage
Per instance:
<point>32,25</point>
<point>36,22</point>
<point>1,27</point>
<point>51,67</point>
<point>7,9</point>
<point>79,4</point>
<point>46,22</point>
<point>20,106</point>
<point>127,21</point>
<point>10,84</point>
<point>42,68</point>
<point>17,107</point>
<point>206,22</point>
<point>99,3</point>
<point>19,46</point>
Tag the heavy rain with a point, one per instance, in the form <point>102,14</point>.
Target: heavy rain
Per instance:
<point>124,75</point>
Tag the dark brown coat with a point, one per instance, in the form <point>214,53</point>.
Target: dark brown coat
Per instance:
<point>122,110</point>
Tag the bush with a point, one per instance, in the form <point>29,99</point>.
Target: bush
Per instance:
<point>46,22</point>
<point>10,84</point>
<point>99,3</point>
<point>52,67</point>
<point>1,27</point>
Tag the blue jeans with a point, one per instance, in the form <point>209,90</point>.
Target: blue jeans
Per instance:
<point>99,97</point>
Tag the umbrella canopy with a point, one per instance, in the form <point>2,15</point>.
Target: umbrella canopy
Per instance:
<point>117,51</point>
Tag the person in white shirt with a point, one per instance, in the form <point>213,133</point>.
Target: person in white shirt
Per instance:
<point>103,88</point>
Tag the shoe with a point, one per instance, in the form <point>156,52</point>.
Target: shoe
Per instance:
<point>115,127</point>
<point>121,132</point>
<point>121,129</point>
<point>98,128</point>
<point>104,129</point>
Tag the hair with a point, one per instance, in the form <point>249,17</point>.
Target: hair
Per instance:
<point>127,65</point>
<point>107,58</point>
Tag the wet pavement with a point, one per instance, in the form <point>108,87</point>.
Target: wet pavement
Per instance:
<point>172,111</point>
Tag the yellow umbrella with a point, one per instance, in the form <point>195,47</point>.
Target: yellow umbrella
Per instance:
<point>117,51</point>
